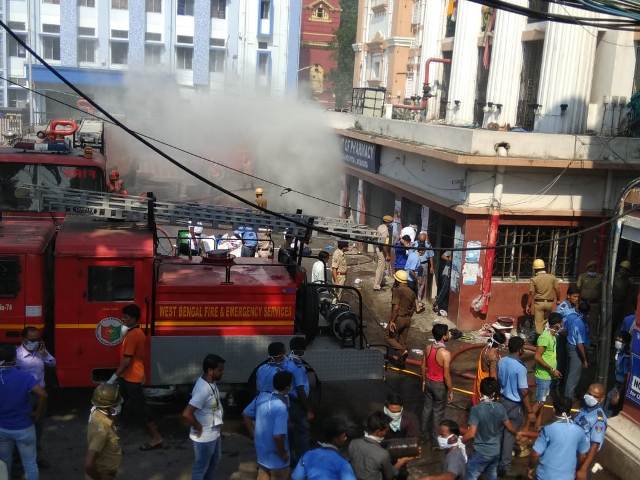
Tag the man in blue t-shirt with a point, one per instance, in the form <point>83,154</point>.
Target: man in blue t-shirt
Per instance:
<point>487,423</point>
<point>274,364</point>
<point>560,450</point>
<point>401,252</point>
<point>16,416</point>
<point>514,387</point>
<point>326,462</point>
<point>577,340</point>
<point>267,419</point>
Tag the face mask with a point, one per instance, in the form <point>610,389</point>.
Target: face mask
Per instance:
<point>123,330</point>
<point>443,442</point>
<point>590,400</point>
<point>484,398</point>
<point>396,418</point>
<point>293,356</point>
<point>31,346</point>
<point>619,345</point>
<point>115,411</point>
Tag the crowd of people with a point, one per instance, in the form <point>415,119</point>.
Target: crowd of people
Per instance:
<point>504,420</point>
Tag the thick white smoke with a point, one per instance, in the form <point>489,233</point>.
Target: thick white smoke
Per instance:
<point>281,139</point>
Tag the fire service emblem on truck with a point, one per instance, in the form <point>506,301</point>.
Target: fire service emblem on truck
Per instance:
<point>109,331</point>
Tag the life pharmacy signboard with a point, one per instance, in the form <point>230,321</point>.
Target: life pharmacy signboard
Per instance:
<point>633,389</point>
<point>361,154</point>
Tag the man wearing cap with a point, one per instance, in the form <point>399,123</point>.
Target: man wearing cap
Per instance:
<point>590,288</point>
<point>104,454</point>
<point>260,200</point>
<point>383,253</point>
<point>339,266</point>
<point>621,292</point>
<point>544,294</point>
<point>403,305</point>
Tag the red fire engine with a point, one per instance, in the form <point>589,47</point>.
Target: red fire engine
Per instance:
<point>72,276</point>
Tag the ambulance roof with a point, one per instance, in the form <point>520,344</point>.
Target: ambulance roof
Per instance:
<point>246,272</point>
<point>74,159</point>
<point>25,237</point>
<point>104,240</point>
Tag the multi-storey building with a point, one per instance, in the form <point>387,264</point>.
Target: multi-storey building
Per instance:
<point>203,43</point>
<point>320,20</point>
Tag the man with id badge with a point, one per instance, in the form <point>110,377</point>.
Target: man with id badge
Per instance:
<point>204,415</point>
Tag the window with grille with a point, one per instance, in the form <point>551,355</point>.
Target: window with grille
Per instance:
<point>153,37</point>
<point>120,4</point>
<point>185,39</point>
<point>17,26</point>
<point>184,58</point>
<point>216,60</point>
<point>50,28</point>
<point>515,261</point>
<point>218,8</point>
<point>86,31</point>
<point>265,7</point>
<point>119,34</point>
<point>14,49</point>
<point>263,45</point>
<point>87,3</point>
<point>153,54</point>
<point>185,7</point>
<point>86,51</point>
<point>216,42</point>
<point>119,53</point>
<point>51,48</point>
<point>538,6</point>
<point>153,6</point>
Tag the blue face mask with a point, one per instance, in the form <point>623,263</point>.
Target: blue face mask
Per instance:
<point>31,346</point>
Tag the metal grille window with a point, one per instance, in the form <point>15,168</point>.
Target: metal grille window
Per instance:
<point>218,8</point>
<point>87,3</point>
<point>9,277</point>
<point>50,28</point>
<point>119,34</point>
<point>153,54</point>
<point>14,49</point>
<point>119,53</point>
<point>111,284</point>
<point>184,39</point>
<point>482,77</point>
<point>51,48</point>
<point>153,37</point>
<point>444,86</point>
<point>514,262</point>
<point>86,50</point>
<point>86,31</point>
<point>216,60</point>
<point>538,6</point>
<point>185,7</point>
<point>529,83</point>
<point>184,58</point>
<point>153,6</point>
<point>120,4</point>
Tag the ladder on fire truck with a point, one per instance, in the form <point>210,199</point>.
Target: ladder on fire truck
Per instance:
<point>109,206</point>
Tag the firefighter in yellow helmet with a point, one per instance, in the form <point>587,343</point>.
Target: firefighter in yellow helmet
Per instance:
<point>260,200</point>
<point>104,454</point>
<point>544,294</point>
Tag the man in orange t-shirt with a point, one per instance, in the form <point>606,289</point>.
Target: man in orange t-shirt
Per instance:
<point>130,375</point>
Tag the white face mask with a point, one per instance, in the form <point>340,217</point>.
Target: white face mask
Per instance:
<point>619,345</point>
<point>443,442</point>
<point>123,330</point>
<point>590,400</point>
<point>396,419</point>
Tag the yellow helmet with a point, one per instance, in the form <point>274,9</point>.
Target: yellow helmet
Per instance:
<point>625,264</point>
<point>259,191</point>
<point>538,264</point>
<point>402,276</point>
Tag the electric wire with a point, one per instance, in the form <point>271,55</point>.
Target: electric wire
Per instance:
<point>308,226</point>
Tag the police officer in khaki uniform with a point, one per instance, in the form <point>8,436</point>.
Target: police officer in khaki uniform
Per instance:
<point>265,244</point>
<point>544,294</point>
<point>590,287</point>
<point>104,454</point>
<point>260,200</point>
<point>622,295</point>
<point>339,266</point>
<point>385,231</point>
<point>403,306</point>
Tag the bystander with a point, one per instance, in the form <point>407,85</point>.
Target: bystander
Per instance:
<point>577,341</point>
<point>487,365</point>
<point>300,411</point>
<point>546,370</point>
<point>436,382</point>
<point>454,465</point>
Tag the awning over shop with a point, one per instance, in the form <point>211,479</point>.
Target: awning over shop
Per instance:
<point>79,76</point>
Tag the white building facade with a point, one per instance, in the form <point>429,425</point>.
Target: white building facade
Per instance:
<point>496,67</point>
<point>203,43</point>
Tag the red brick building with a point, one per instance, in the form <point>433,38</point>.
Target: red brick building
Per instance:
<point>320,20</point>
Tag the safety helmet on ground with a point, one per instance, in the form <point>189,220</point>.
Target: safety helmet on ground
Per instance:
<point>106,395</point>
<point>538,264</point>
<point>259,191</point>
<point>402,276</point>
<point>625,264</point>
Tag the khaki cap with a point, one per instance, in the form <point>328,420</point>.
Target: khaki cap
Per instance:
<point>387,219</point>
<point>538,264</point>
<point>625,264</point>
<point>402,276</point>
